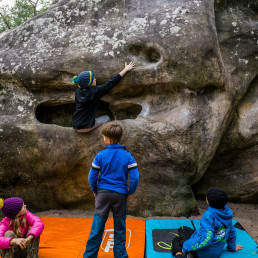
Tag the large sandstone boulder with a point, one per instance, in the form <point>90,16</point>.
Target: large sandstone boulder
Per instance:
<point>174,107</point>
<point>235,164</point>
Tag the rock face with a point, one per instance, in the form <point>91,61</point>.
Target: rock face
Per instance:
<point>235,164</point>
<point>195,61</point>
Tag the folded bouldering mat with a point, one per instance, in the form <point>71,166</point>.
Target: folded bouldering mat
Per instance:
<point>243,238</point>
<point>159,235</point>
<point>67,237</point>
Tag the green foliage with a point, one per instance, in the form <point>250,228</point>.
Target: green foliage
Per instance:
<point>21,11</point>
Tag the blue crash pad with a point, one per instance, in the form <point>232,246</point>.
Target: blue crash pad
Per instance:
<point>159,235</point>
<point>250,249</point>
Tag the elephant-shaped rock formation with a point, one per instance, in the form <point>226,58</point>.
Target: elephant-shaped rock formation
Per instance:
<point>195,61</point>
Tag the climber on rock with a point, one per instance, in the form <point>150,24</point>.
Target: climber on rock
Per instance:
<point>87,97</point>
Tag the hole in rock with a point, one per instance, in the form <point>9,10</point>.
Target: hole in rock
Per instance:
<point>126,111</point>
<point>61,114</point>
<point>145,54</point>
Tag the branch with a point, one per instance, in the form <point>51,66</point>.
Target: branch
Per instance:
<point>5,21</point>
<point>34,6</point>
<point>33,3</point>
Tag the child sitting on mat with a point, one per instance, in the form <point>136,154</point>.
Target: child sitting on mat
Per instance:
<point>87,96</point>
<point>216,229</point>
<point>19,230</point>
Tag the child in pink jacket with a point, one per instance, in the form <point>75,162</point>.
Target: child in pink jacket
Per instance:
<point>19,230</point>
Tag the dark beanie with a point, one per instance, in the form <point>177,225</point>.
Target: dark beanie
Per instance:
<point>10,207</point>
<point>217,198</point>
<point>86,79</point>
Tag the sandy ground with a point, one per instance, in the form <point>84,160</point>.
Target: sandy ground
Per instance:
<point>246,214</point>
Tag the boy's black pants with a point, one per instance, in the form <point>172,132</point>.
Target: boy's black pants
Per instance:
<point>184,233</point>
<point>105,201</point>
<point>110,200</point>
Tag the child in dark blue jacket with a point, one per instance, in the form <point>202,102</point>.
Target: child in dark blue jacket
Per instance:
<point>108,179</point>
<point>216,229</point>
<point>87,97</point>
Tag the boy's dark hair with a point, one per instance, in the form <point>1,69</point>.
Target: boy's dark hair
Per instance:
<point>217,197</point>
<point>113,131</point>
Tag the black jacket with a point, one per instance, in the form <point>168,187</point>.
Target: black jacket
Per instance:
<point>87,103</point>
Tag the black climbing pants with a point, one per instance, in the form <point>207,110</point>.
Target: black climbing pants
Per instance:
<point>184,233</point>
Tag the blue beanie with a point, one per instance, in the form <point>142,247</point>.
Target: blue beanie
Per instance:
<point>86,79</point>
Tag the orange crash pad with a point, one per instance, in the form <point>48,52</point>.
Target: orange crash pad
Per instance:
<point>67,237</point>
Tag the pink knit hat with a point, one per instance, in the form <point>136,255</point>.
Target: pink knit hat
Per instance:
<point>10,207</point>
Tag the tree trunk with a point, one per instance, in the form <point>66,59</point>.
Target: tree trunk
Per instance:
<point>5,21</point>
<point>34,6</point>
<point>34,10</point>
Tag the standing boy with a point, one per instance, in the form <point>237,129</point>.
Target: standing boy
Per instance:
<point>108,179</point>
<point>87,97</point>
<point>216,229</point>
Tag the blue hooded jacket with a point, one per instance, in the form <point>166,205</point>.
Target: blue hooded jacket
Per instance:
<point>215,230</point>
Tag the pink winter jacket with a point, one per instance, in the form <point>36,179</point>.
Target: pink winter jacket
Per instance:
<point>33,223</point>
